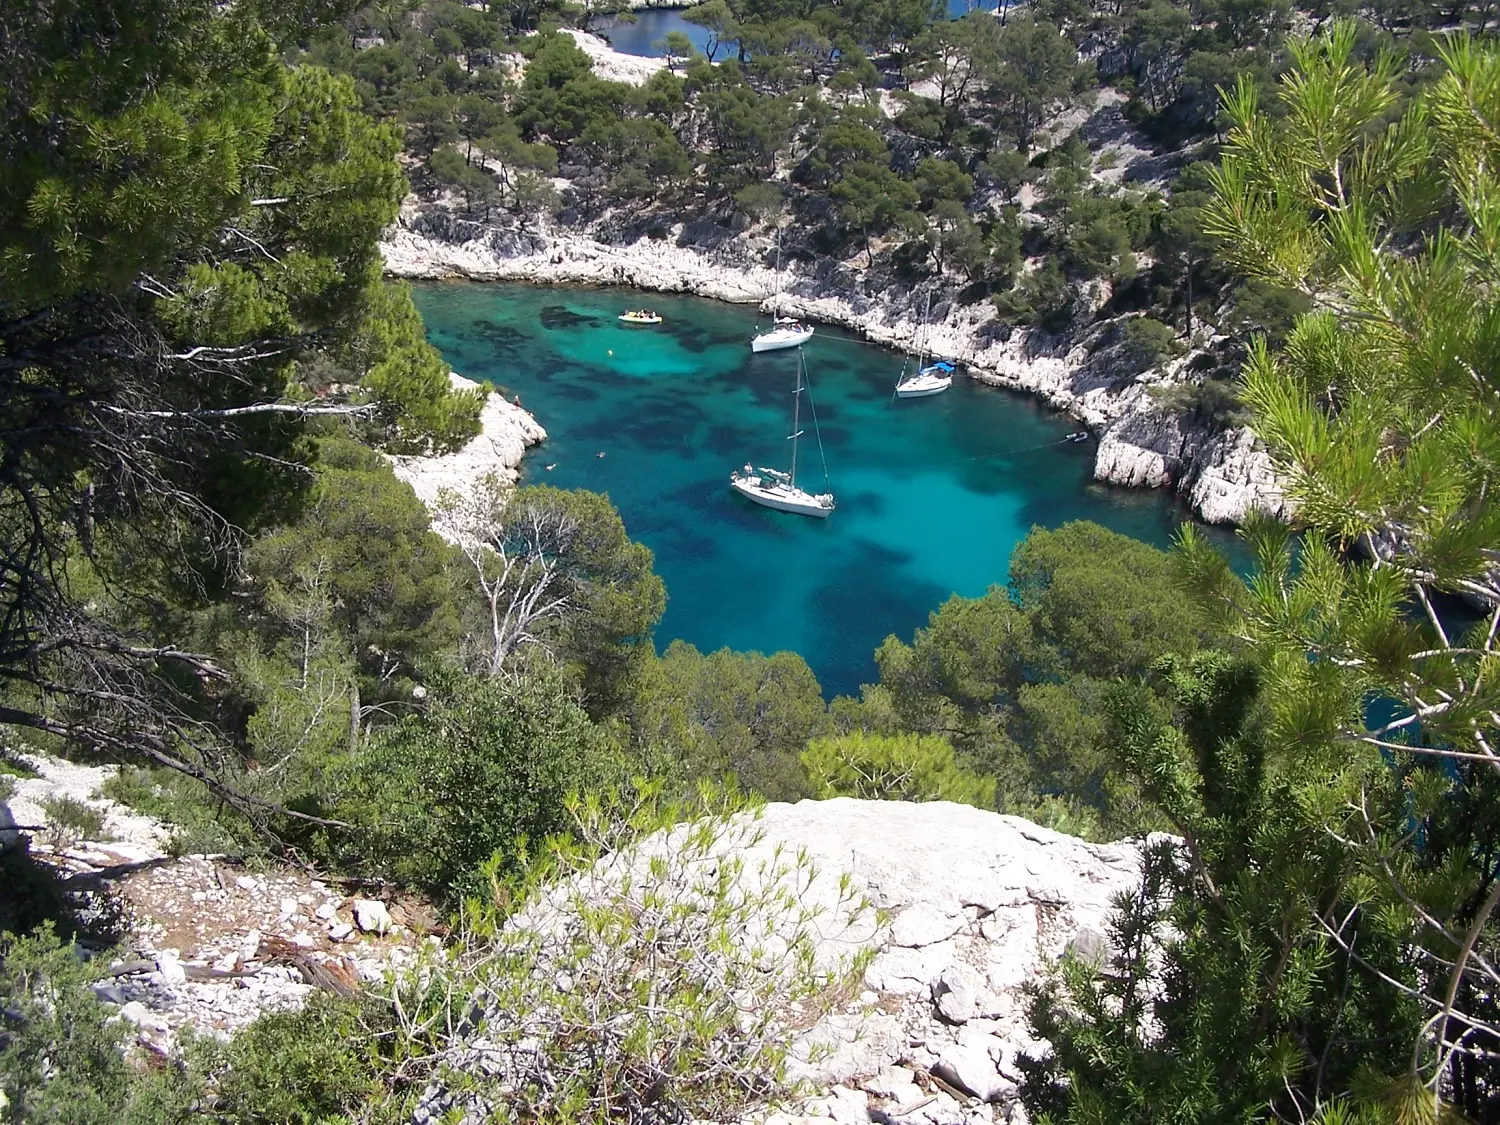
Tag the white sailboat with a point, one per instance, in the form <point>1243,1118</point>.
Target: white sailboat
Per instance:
<point>788,332</point>
<point>933,379</point>
<point>930,379</point>
<point>776,489</point>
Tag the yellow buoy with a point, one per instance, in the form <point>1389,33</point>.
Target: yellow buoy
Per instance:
<point>611,351</point>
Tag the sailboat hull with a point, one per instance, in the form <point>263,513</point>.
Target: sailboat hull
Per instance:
<point>782,497</point>
<point>924,387</point>
<point>779,338</point>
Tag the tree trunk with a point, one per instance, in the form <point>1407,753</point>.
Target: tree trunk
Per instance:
<point>354,709</point>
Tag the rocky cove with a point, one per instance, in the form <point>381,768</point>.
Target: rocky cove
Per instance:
<point>1222,474</point>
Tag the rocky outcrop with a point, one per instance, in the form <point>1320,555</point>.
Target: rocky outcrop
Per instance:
<point>506,431</point>
<point>560,258</point>
<point>612,65</point>
<point>1223,475</point>
<point>194,941</point>
<point>962,909</point>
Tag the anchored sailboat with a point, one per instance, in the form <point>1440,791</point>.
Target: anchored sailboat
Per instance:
<point>776,489</point>
<point>788,331</point>
<point>932,378</point>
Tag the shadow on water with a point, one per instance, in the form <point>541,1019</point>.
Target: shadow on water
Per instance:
<point>556,317</point>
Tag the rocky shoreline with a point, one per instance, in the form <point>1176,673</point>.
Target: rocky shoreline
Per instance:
<point>1223,475</point>
<point>506,432</point>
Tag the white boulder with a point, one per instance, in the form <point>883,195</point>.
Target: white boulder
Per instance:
<point>371,915</point>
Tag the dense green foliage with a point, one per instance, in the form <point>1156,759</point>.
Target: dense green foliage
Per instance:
<point>728,712</point>
<point>925,184</point>
<point>1334,925</point>
<point>483,767</point>
<point>207,570</point>
<point>1015,679</point>
<point>188,271</point>
<point>1223,1000</point>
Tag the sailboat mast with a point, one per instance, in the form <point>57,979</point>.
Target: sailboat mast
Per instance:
<point>926,319</point>
<point>796,417</point>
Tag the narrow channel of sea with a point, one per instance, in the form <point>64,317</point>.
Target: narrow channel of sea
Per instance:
<point>933,494</point>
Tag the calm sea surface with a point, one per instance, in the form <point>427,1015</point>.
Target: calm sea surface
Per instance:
<point>932,493</point>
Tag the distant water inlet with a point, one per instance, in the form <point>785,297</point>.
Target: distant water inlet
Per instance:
<point>647,32</point>
<point>933,494</point>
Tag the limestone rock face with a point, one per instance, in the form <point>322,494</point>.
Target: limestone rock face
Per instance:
<point>371,915</point>
<point>963,908</point>
<point>1236,475</point>
<point>506,431</point>
<point>612,65</point>
<point>559,258</point>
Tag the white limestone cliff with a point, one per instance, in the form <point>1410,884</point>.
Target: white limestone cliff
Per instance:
<point>612,65</point>
<point>964,909</point>
<point>506,431</point>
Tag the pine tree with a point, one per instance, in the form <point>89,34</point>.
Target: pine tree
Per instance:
<point>1384,411</point>
<point>189,282</point>
<point>1324,943</point>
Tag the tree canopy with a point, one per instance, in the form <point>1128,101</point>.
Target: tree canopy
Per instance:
<point>190,283</point>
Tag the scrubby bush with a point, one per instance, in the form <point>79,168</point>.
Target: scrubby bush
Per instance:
<point>655,985</point>
<point>486,764</point>
<point>70,820</point>
<point>320,1064</point>
<point>737,713</point>
<point>60,1060</point>
<point>903,767</point>
<point>1147,343</point>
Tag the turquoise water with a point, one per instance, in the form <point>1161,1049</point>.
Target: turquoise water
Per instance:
<point>932,493</point>
<point>646,33</point>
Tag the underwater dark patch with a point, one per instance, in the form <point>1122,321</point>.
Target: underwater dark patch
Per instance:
<point>555,317</point>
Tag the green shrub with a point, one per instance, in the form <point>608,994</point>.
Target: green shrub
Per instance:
<point>651,985</point>
<point>315,1065</point>
<point>13,765</point>
<point>1148,343</point>
<point>759,200</point>
<point>902,767</point>
<point>59,1060</point>
<point>1041,297</point>
<point>1215,399</point>
<point>489,763</point>
<point>70,820</point>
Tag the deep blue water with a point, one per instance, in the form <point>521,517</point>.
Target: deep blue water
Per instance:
<point>933,494</point>
<point>652,24</point>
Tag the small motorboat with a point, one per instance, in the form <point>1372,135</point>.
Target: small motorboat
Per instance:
<point>788,332</point>
<point>933,379</point>
<point>641,316</point>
